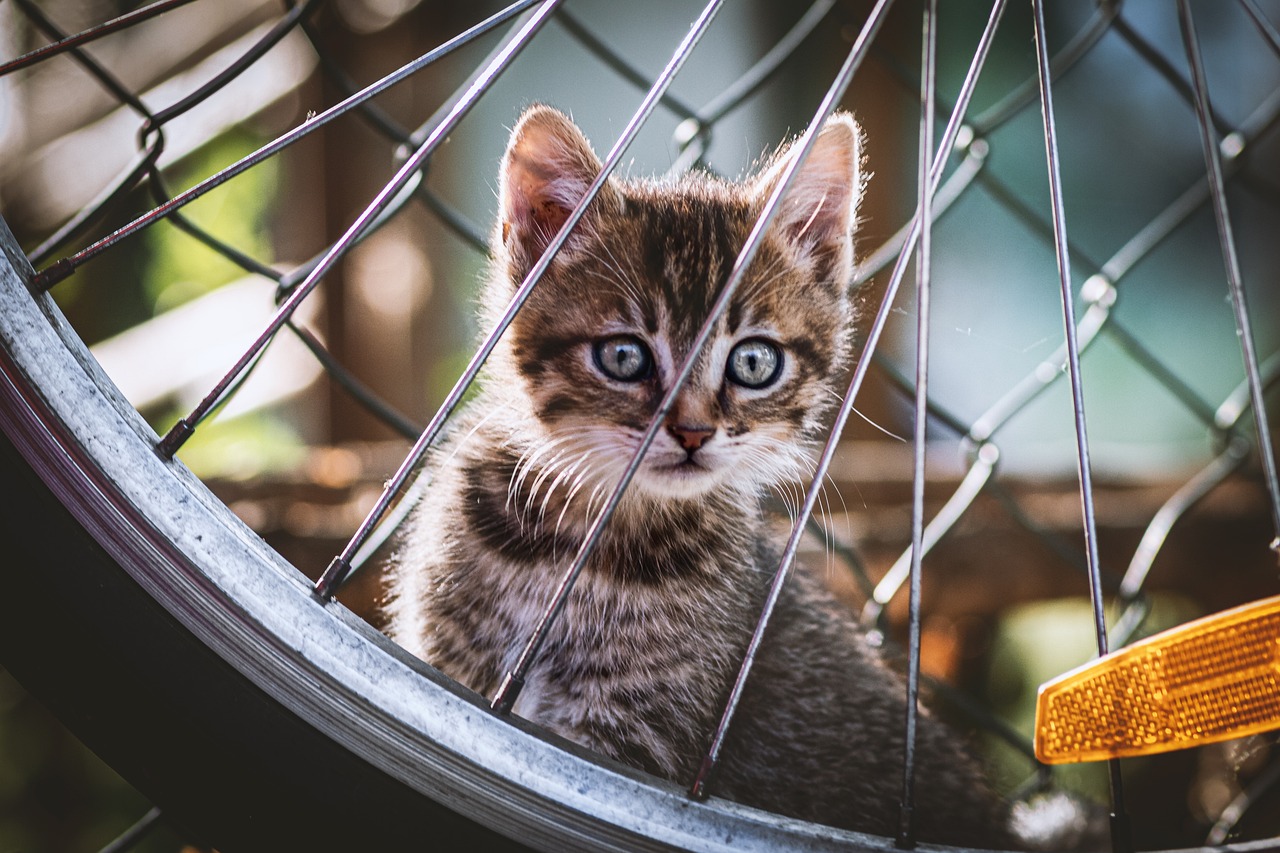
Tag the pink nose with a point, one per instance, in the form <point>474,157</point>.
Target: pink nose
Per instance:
<point>691,437</point>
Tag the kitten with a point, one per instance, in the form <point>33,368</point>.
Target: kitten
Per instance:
<point>639,665</point>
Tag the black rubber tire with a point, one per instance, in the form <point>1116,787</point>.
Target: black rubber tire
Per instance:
<point>228,765</point>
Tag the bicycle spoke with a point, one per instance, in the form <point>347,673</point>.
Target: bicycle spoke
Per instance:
<point>924,266</point>
<point>1120,832</point>
<point>134,835</point>
<point>1235,281</point>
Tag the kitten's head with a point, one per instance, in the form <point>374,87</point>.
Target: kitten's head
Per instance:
<point>603,334</point>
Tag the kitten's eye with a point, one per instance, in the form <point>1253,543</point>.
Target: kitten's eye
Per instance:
<point>623,358</point>
<point>754,364</point>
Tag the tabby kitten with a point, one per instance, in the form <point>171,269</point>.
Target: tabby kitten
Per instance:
<point>639,665</point>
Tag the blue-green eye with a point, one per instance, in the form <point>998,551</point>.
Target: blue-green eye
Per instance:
<point>623,358</point>
<point>754,364</point>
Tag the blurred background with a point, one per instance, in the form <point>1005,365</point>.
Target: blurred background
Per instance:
<point>301,460</point>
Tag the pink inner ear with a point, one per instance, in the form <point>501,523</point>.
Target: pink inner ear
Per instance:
<point>820,221</point>
<point>550,215</point>
<point>548,167</point>
<point>534,214</point>
<point>534,207</point>
<point>820,206</point>
<point>823,195</point>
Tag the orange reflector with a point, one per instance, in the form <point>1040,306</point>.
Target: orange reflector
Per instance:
<point>1209,680</point>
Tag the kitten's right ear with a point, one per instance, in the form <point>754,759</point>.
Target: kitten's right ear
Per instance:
<point>819,214</point>
<point>547,169</point>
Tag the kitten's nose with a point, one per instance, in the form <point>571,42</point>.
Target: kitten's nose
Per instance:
<point>691,437</point>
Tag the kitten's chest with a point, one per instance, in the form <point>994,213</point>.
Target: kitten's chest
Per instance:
<point>634,671</point>
<point>615,631</point>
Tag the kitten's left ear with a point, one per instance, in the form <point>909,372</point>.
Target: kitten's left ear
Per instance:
<point>547,169</point>
<point>820,209</point>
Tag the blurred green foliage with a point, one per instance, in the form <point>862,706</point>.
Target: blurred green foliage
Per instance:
<point>180,267</point>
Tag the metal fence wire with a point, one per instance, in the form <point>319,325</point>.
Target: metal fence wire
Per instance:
<point>1160,118</point>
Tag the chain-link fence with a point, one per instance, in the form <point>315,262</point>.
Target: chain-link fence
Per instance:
<point>1125,464</point>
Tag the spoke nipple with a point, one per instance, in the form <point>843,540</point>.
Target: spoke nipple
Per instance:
<point>698,790</point>
<point>332,578</point>
<point>175,438</point>
<point>508,692</point>
<point>905,839</point>
<point>1121,833</point>
<point>44,280</point>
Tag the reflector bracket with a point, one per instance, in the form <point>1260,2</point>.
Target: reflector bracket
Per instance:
<point>1213,679</point>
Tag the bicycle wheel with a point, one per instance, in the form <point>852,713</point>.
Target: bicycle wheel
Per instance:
<point>184,651</point>
<point>255,713</point>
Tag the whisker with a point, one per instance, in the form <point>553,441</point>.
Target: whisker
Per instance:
<point>567,471</point>
<point>884,430</point>
<point>574,488</point>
